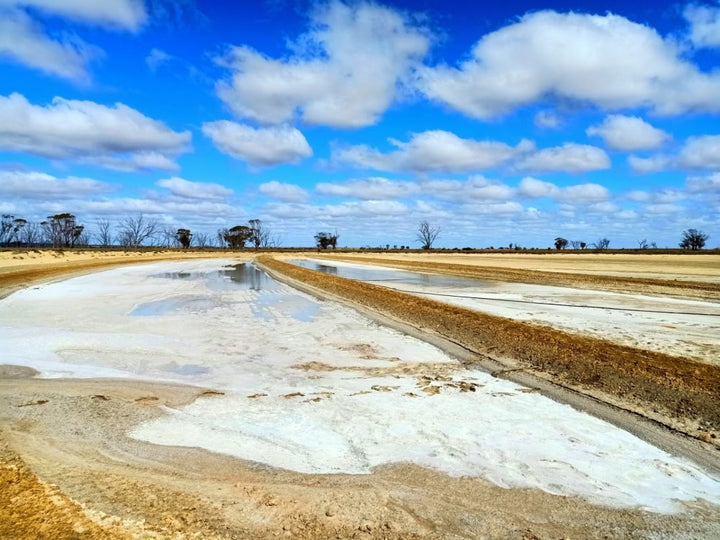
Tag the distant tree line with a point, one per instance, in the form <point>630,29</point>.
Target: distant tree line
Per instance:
<point>64,231</point>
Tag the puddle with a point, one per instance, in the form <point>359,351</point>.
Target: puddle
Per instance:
<point>248,276</point>
<point>381,275</point>
<point>270,298</point>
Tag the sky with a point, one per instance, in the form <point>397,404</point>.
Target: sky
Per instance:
<point>500,123</point>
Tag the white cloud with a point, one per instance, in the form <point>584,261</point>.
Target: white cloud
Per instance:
<point>116,137</point>
<point>532,188</point>
<point>570,158</point>
<point>23,41</point>
<point>547,120</point>
<point>344,72</point>
<point>704,184</point>
<point>648,165</point>
<point>433,151</point>
<point>704,25</point>
<point>37,185</point>
<point>607,61</point>
<point>284,192</point>
<point>628,133</point>
<point>194,190</point>
<point>701,152</point>
<point>156,58</point>
<point>258,146</point>
<point>124,14</point>
<point>369,188</point>
<point>475,188</point>
<point>583,194</point>
<point>697,153</point>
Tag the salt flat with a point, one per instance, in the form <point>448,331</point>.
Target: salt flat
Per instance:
<point>316,388</point>
<point>686,328</point>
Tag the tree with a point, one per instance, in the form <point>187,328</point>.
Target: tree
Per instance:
<point>693,239</point>
<point>135,231</point>
<point>11,229</point>
<point>184,236</point>
<point>601,244</point>
<point>104,232</point>
<point>325,240</point>
<point>577,244</point>
<point>260,233</point>
<point>237,236</point>
<point>427,234</point>
<point>61,230</point>
<point>560,243</point>
<point>201,239</point>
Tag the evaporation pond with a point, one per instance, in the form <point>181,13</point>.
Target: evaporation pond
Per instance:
<point>374,274</point>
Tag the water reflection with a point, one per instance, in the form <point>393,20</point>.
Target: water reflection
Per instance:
<point>381,275</point>
<point>250,277</point>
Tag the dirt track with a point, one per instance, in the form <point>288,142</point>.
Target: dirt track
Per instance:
<point>72,473</point>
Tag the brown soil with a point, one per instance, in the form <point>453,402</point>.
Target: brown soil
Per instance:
<point>673,287</point>
<point>680,393</point>
<point>68,470</point>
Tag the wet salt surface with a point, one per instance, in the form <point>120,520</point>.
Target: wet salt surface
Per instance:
<point>686,328</point>
<point>316,388</point>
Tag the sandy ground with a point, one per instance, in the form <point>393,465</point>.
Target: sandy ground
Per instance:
<point>73,472</point>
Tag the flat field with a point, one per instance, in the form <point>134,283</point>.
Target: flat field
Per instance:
<point>72,470</point>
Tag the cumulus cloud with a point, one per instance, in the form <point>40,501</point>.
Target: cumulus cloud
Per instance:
<point>116,137</point>
<point>607,61</point>
<point>432,151</point>
<point>344,72</point>
<point>23,40</point>
<point>369,188</point>
<point>258,146</point>
<point>123,14</point>
<point>704,184</point>
<point>37,185</point>
<point>532,188</point>
<point>583,193</point>
<point>628,133</point>
<point>284,192</point>
<point>194,190</point>
<point>570,157</point>
<point>701,152</point>
<point>475,188</point>
<point>697,153</point>
<point>704,25</point>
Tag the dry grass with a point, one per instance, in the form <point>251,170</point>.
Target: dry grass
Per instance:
<point>679,392</point>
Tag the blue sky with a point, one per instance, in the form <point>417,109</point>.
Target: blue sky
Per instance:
<point>511,123</point>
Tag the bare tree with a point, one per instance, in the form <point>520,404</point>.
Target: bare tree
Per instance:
<point>134,231</point>
<point>427,234</point>
<point>577,244</point>
<point>201,239</point>
<point>31,234</point>
<point>601,244</point>
<point>104,232</point>
<point>260,233</point>
<point>693,239</point>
